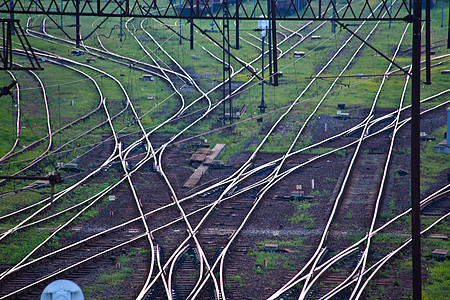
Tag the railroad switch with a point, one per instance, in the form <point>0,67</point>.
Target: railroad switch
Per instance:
<point>53,179</point>
<point>6,90</point>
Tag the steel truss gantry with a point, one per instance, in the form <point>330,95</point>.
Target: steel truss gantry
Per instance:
<point>9,28</point>
<point>313,10</point>
<point>307,10</point>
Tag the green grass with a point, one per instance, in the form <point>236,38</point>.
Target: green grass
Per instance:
<point>301,214</point>
<point>275,259</point>
<point>438,284</point>
<point>294,73</point>
<point>111,279</point>
<point>295,242</point>
<point>19,244</point>
<point>115,279</point>
<point>433,164</point>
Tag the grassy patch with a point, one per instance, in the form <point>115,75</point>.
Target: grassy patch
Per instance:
<point>19,244</point>
<point>301,214</point>
<point>438,284</point>
<point>295,242</point>
<point>111,279</point>
<point>432,164</point>
<point>272,258</point>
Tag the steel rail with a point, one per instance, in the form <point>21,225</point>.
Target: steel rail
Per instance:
<point>377,266</point>
<point>49,128</point>
<point>227,188</point>
<point>174,197</point>
<point>404,122</point>
<point>186,76</point>
<point>371,135</point>
<point>290,30</point>
<point>375,232</point>
<point>275,173</point>
<point>101,97</point>
<point>63,128</point>
<point>349,250</point>
<point>122,158</point>
<point>343,185</point>
<point>158,261</point>
<point>380,191</point>
<point>153,52</point>
<point>133,62</point>
<point>62,271</point>
<point>325,266</point>
<point>361,262</point>
<point>311,146</point>
<point>13,147</point>
<point>176,255</point>
<point>181,245</point>
<point>58,195</point>
<point>199,224</point>
<point>304,290</point>
<point>56,131</point>
<point>109,119</point>
<point>202,255</point>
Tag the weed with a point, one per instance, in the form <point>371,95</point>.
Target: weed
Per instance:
<point>301,214</point>
<point>349,215</point>
<point>438,285</point>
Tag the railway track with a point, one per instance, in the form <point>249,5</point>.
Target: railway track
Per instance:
<point>13,147</point>
<point>206,224</point>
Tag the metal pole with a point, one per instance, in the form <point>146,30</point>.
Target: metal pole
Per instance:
<point>180,25</point>
<point>192,34</point>
<point>238,2</point>
<point>11,15</point>
<point>428,42</point>
<point>415,151</point>
<point>448,26</point>
<point>390,12</point>
<point>262,107</point>
<point>62,5</point>
<point>120,34</point>
<point>226,28</point>
<point>7,47</point>
<point>192,26</point>
<point>224,93</point>
<point>4,49</point>
<point>274,45</point>
<point>269,13</point>
<point>77,23</point>
<point>3,56</point>
<point>442,13</point>
<point>333,24</point>
<point>230,100</point>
